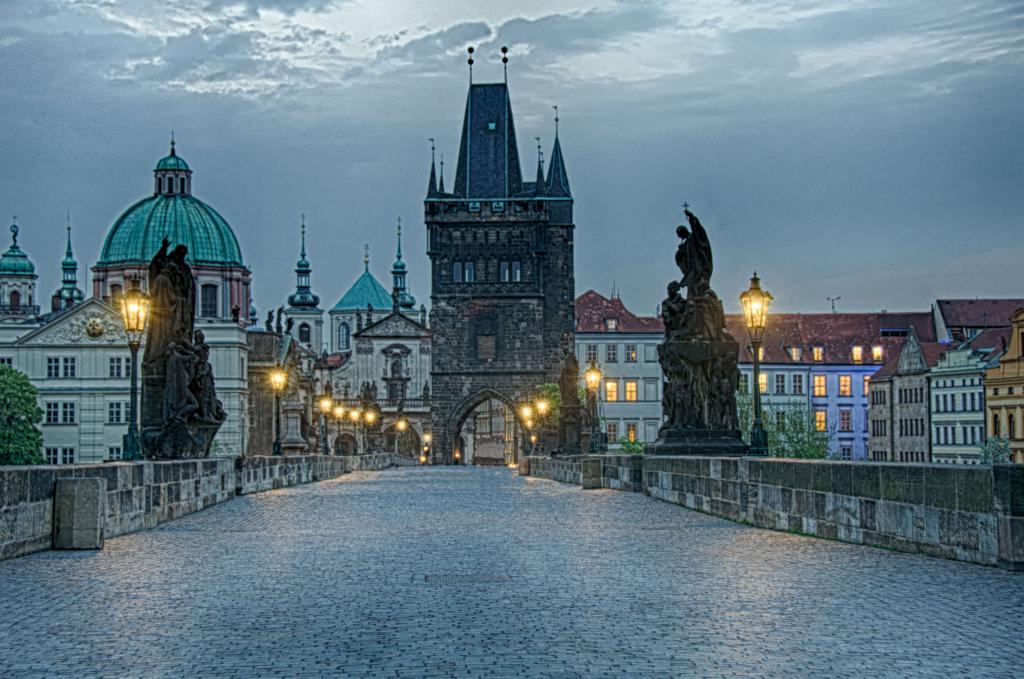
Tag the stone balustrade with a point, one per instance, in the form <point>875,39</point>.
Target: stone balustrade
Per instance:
<point>971,513</point>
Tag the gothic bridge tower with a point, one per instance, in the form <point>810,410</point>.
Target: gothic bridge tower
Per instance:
<point>502,287</point>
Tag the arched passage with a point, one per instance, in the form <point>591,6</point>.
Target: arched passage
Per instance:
<point>484,429</point>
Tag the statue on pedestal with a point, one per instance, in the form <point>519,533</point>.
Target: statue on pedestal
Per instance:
<point>569,414</point>
<point>180,411</point>
<point>698,358</point>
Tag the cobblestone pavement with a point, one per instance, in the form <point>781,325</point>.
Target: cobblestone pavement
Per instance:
<point>455,572</point>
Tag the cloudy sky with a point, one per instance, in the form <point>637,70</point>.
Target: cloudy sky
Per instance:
<point>868,150</point>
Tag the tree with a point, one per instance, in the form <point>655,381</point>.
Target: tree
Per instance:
<point>995,451</point>
<point>21,440</point>
<point>791,429</point>
<point>632,447</point>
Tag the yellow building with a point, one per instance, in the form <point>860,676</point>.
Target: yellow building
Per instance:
<point>1004,391</point>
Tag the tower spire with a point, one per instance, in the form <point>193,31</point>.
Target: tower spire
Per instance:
<point>440,186</point>
<point>400,297</point>
<point>366,257</point>
<point>538,187</point>
<point>302,251</point>
<point>432,183</point>
<point>469,60</point>
<point>68,295</point>
<point>504,62</point>
<point>172,144</point>
<point>303,296</point>
<point>558,178</point>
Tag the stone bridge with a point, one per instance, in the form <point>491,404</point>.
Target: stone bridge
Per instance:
<point>467,572</point>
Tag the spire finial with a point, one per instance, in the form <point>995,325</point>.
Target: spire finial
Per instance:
<point>431,140</point>
<point>366,257</point>
<point>172,143</point>
<point>302,229</point>
<point>14,229</point>
<point>398,254</point>
<point>556,119</point>
<point>67,226</point>
<point>686,208</point>
<point>469,60</point>
<point>504,62</point>
<point>440,184</point>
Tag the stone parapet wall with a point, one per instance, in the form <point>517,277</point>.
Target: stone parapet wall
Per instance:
<point>376,462</point>
<point>971,513</point>
<point>562,469</point>
<point>143,495</point>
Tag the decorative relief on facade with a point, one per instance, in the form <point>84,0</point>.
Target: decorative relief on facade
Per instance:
<point>94,328</point>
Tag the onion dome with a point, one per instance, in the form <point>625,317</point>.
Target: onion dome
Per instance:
<point>172,212</point>
<point>15,262</point>
<point>303,297</point>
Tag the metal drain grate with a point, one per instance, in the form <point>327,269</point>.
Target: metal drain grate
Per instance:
<point>464,579</point>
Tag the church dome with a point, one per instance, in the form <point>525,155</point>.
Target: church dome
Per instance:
<point>365,291</point>
<point>15,262</point>
<point>172,213</point>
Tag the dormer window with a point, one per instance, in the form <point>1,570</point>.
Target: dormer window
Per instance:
<point>611,324</point>
<point>818,354</point>
<point>857,354</point>
<point>876,353</point>
<point>795,353</point>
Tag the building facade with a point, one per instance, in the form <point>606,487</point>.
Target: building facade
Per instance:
<point>502,286</point>
<point>1004,391</point>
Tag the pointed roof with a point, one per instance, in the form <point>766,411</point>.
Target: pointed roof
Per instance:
<point>367,290</point>
<point>488,156</point>
<point>303,296</point>
<point>558,178</point>
<point>440,179</point>
<point>432,182</point>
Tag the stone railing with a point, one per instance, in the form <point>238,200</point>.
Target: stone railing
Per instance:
<point>141,495</point>
<point>969,513</point>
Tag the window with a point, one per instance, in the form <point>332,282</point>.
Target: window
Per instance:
<point>613,431</point>
<point>995,425</point>
<point>650,390</point>
<point>611,390</point>
<point>487,347</point>
<point>118,366</point>
<point>630,353</point>
<point>1011,426</point>
<point>68,366</point>
<point>113,452</point>
<point>611,353</point>
<point>67,413</point>
<point>845,420</point>
<point>762,382</point>
<point>780,420</point>
<point>795,353</point>
<point>344,337</point>
<point>304,334</point>
<point>52,456</point>
<point>7,361</point>
<point>114,413</point>
<point>208,301</point>
<point>504,272</point>
<point>857,354</point>
<point>820,420</point>
<point>611,324</point>
<point>867,384</point>
<point>15,300</point>
<point>517,271</point>
<point>631,390</point>
<point>52,366</point>
<point>52,413</point>
<point>631,432</point>
<point>819,386</point>
<point>115,293</point>
<point>456,272</point>
<point>876,353</point>
<point>591,353</point>
<point>780,383</point>
<point>468,272</point>
<point>818,354</point>
<point>846,452</point>
<point>651,353</point>
<point>744,383</point>
<point>845,385</point>
<point>67,455</point>
<point>798,385</point>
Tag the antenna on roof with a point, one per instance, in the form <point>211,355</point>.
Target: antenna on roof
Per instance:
<point>504,62</point>
<point>833,301</point>
<point>469,60</point>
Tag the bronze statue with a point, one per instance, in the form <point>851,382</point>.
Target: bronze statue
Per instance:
<point>181,413</point>
<point>698,358</point>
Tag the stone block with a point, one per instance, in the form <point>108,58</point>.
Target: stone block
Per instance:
<point>974,492</point>
<point>1011,542</point>
<point>1008,481</point>
<point>939,486</point>
<point>866,483</point>
<point>842,479</point>
<point>79,512</point>
<point>590,468</point>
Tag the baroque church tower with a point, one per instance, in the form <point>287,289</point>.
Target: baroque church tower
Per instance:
<point>304,306</point>
<point>502,286</point>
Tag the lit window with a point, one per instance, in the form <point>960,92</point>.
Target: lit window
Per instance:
<point>795,353</point>
<point>631,432</point>
<point>858,354</point>
<point>630,353</point>
<point>613,431</point>
<point>818,354</point>
<point>762,382</point>
<point>876,353</point>
<point>611,390</point>
<point>820,420</point>
<point>819,386</point>
<point>867,384</point>
<point>631,390</point>
<point>846,385</point>
<point>612,324</point>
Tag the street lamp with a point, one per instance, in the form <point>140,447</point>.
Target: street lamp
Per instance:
<point>134,313</point>
<point>755,303</point>
<point>326,406</point>
<point>339,415</point>
<point>278,381</point>
<point>592,377</point>
<point>400,426</point>
<point>425,456</point>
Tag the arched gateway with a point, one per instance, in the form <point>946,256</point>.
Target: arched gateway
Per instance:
<point>502,287</point>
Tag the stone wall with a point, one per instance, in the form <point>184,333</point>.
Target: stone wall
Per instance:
<point>143,495</point>
<point>564,469</point>
<point>969,513</point>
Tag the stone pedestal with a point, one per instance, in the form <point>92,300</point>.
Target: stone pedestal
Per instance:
<point>524,466</point>
<point>590,468</point>
<point>79,511</point>
<point>698,442</point>
<point>569,430</point>
<point>291,425</point>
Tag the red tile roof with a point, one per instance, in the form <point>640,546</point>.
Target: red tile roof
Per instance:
<point>593,310</point>
<point>932,352</point>
<point>992,338</point>
<point>978,313</point>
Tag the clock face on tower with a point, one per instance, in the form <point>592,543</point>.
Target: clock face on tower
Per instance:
<point>94,328</point>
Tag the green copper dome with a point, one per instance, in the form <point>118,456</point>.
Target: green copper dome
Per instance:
<point>15,262</point>
<point>172,161</point>
<point>366,290</point>
<point>137,234</point>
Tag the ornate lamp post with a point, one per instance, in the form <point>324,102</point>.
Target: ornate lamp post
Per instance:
<point>400,428</point>
<point>593,379</point>
<point>326,406</point>
<point>278,382</point>
<point>755,303</point>
<point>134,313</point>
<point>425,453</point>
<point>339,416</point>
